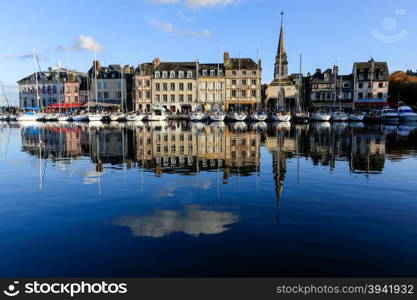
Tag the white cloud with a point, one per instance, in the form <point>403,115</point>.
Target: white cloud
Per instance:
<point>208,3</point>
<point>196,4</point>
<point>170,28</point>
<point>83,43</point>
<point>193,221</point>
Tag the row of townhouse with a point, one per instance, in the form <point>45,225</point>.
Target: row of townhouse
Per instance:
<point>182,87</point>
<point>367,86</point>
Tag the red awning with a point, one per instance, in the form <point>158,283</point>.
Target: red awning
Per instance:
<point>65,105</point>
<point>376,104</point>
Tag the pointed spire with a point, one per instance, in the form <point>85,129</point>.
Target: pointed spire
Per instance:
<point>281,62</point>
<point>281,44</point>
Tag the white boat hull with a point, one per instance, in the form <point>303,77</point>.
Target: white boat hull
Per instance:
<point>95,117</point>
<point>258,117</point>
<point>157,118</point>
<point>218,117</point>
<point>34,117</point>
<point>135,118</point>
<point>322,117</point>
<point>356,118</point>
<point>408,118</point>
<point>281,117</point>
<point>238,117</point>
<point>197,117</point>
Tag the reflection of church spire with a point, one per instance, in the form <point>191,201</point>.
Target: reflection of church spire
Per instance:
<point>281,61</point>
<point>279,170</point>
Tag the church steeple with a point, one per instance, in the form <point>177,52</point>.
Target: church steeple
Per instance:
<point>281,61</point>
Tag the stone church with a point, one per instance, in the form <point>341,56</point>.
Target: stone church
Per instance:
<point>282,92</point>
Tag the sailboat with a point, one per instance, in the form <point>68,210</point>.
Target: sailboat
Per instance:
<point>355,116</point>
<point>321,115</point>
<point>339,114</point>
<point>95,117</point>
<point>218,115</point>
<point>237,116</point>
<point>299,115</point>
<point>7,116</point>
<point>119,116</point>
<point>259,115</point>
<point>33,115</point>
<point>198,115</point>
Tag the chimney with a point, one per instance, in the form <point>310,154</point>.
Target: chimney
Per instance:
<point>96,66</point>
<point>156,62</point>
<point>226,58</point>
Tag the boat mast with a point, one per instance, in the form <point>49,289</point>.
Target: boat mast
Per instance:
<point>4,94</point>
<point>95,75</point>
<point>238,88</point>
<point>372,82</point>
<point>217,100</point>
<point>299,85</point>
<point>36,80</point>
<point>198,84</point>
<point>354,88</point>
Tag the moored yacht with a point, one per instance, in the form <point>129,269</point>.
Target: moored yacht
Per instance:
<point>95,117</point>
<point>389,115</point>
<point>406,114</point>
<point>258,116</point>
<point>217,116</point>
<point>158,114</point>
<point>374,116</point>
<point>356,117</point>
<point>301,117</point>
<point>236,116</point>
<point>320,115</point>
<point>198,116</point>
<point>281,116</point>
<point>339,116</point>
<point>135,117</point>
<point>31,116</point>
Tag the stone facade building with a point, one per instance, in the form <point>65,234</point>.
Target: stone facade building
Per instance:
<point>211,86</point>
<point>142,87</point>
<point>110,85</point>
<point>54,86</point>
<point>371,80</point>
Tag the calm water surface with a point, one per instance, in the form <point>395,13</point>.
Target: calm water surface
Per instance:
<point>180,199</point>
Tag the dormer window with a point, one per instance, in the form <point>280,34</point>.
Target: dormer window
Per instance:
<point>181,74</point>
<point>212,72</point>
<point>143,72</point>
<point>165,74</point>
<point>243,72</point>
<point>204,72</point>
<point>234,73</point>
<point>112,76</point>
<point>220,72</point>
<point>189,74</point>
<point>157,75</point>
<point>172,74</point>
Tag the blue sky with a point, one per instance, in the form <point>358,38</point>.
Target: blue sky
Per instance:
<point>132,31</point>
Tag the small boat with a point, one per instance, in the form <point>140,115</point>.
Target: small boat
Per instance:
<point>406,114</point>
<point>64,118</point>
<point>11,117</point>
<point>198,116</point>
<point>356,117</point>
<point>258,116</point>
<point>3,117</point>
<point>31,116</point>
<point>321,115</point>
<point>82,117</point>
<point>281,116</point>
<point>301,117</point>
<point>217,116</point>
<point>374,116</point>
<point>158,114</point>
<point>237,116</point>
<point>52,117</point>
<point>389,115</point>
<point>117,117</point>
<point>94,117</point>
<point>339,116</point>
<point>135,117</point>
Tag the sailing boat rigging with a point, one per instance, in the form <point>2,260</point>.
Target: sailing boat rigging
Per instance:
<point>299,115</point>
<point>218,115</point>
<point>238,116</point>
<point>259,115</point>
<point>198,115</point>
<point>95,116</point>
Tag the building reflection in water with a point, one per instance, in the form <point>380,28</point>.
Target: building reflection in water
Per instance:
<point>232,149</point>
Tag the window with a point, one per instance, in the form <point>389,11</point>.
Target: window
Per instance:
<point>157,75</point>
<point>172,86</point>
<point>234,82</point>
<point>220,73</point>
<point>254,81</point>
<point>148,95</point>
<point>204,85</point>
<point>190,98</point>
<point>380,96</point>
<point>189,74</point>
<point>139,94</point>
<point>204,72</point>
<point>165,98</point>
<point>172,74</point>
<point>360,95</point>
<point>243,72</point>
<point>190,86</point>
<point>148,83</point>
<point>254,73</point>
<point>181,74</point>
<point>234,93</point>
<point>172,98</point>
<point>106,95</point>
<point>165,86</point>
<point>381,84</point>
<point>211,86</point>
<point>76,98</point>
<point>243,93</point>
<point>212,72</point>
<point>370,96</point>
<point>253,93</point>
<point>181,86</point>
<point>158,87</point>
<point>99,94</point>
<point>158,98</point>
<point>118,85</point>
<point>164,74</point>
<point>234,73</point>
<point>105,85</point>
<point>181,98</point>
<point>361,85</point>
<point>99,85</point>
<point>243,82</point>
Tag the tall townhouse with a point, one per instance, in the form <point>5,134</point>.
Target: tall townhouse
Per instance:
<point>243,83</point>
<point>54,86</point>
<point>371,81</point>
<point>142,87</point>
<point>211,86</point>
<point>174,85</point>
<point>110,86</point>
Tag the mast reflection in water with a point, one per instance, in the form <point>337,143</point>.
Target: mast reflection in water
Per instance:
<point>194,199</point>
